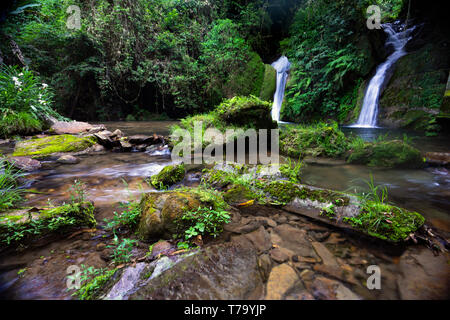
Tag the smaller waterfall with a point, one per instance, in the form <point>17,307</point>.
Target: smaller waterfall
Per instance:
<point>369,110</point>
<point>282,67</point>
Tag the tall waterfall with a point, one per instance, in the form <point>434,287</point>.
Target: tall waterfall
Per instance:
<point>282,66</point>
<point>369,111</point>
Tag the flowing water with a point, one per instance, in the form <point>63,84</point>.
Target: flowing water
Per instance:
<point>397,38</point>
<point>114,177</point>
<point>282,66</point>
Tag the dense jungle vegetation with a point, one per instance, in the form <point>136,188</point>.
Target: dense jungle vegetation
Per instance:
<point>150,60</point>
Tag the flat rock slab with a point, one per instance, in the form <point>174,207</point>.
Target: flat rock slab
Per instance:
<point>224,272</point>
<point>25,163</point>
<point>72,127</point>
<point>294,241</point>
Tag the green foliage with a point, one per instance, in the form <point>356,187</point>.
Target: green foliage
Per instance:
<point>168,176</point>
<point>321,139</point>
<point>128,218</point>
<point>93,280</point>
<point>58,219</point>
<point>292,170</point>
<point>25,102</point>
<point>122,252</point>
<point>203,221</point>
<point>10,191</point>
<point>325,59</point>
<point>380,219</point>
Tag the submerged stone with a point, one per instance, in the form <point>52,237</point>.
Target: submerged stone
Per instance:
<point>53,144</point>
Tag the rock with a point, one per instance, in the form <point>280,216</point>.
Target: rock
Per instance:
<point>336,272</point>
<point>281,279</point>
<point>222,272</point>
<point>97,128</point>
<point>326,289</point>
<point>292,239</point>
<point>265,265</point>
<point>42,147</point>
<point>304,295</point>
<point>141,147</point>
<point>68,159</point>
<point>72,127</point>
<point>279,255</point>
<point>320,236</point>
<point>25,163</point>
<point>98,148</point>
<point>162,247</point>
<point>168,176</point>
<point>104,138</point>
<point>125,145</point>
<point>143,139</point>
<point>438,158</point>
<point>160,210</point>
<point>304,259</point>
<point>4,141</point>
<point>327,257</point>
<point>424,276</point>
<point>266,222</point>
<point>117,134</point>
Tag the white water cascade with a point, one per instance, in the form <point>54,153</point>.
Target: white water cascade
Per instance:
<point>282,67</point>
<point>369,110</point>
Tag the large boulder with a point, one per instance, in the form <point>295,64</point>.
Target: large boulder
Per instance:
<point>161,210</point>
<point>74,127</point>
<point>246,112</point>
<point>222,272</point>
<point>42,147</point>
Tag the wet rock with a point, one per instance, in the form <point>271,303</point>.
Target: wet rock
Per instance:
<point>162,248</point>
<point>141,147</point>
<point>160,210</point>
<point>259,239</point>
<point>304,259</point>
<point>98,148</point>
<point>68,159</point>
<point>117,134</point>
<point>307,275</point>
<point>44,147</point>
<point>143,139</point>
<point>303,295</point>
<point>168,176</point>
<point>25,163</point>
<point>281,279</point>
<point>125,145</point>
<point>438,158</point>
<point>326,289</point>
<point>424,275</point>
<point>242,228</point>
<point>104,138</point>
<point>292,239</point>
<point>279,255</point>
<point>265,265</point>
<point>4,141</point>
<point>224,271</point>
<point>72,127</point>
<point>327,257</point>
<point>336,272</point>
<point>266,222</point>
<point>319,236</point>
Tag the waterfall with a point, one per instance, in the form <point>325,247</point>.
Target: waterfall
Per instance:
<point>369,111</point>
<point>282,67</point>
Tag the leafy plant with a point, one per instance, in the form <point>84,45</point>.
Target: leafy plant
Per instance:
<point>10,191</point>
<point>203,221</point>
<point>292,170</point>
<point>122,250</point>
<point>129,217</point>
<point>92,281</point>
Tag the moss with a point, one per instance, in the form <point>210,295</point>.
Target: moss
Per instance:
<point>313,140</point>
<point>168,176</point>
<point>390,154</point>
<point>386,222</point>
<point>269,84</point>
<point>92,289</point>
<point>26,225</point>
<point>238,194</point>
<point>52,144</point>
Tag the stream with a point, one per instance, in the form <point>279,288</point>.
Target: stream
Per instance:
<point>115,177</point>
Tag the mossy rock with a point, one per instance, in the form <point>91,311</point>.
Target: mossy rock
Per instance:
<point>389,154</point>
<point>269,85</point>
<point>20,226</point>
<point>246,112</point>
<point>53,144</point>
<point>321,140</point>
<point>161,210</point>
<point>168,176</point>
<point>386,222</point>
